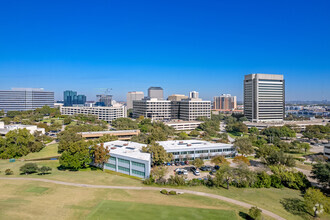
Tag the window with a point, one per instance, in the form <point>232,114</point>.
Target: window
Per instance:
<point>110,165</point>
<point>113,158</point>
<point>123,161</point>
<point>123,169</point>
<point>136,172</point>
<point>137,164</point>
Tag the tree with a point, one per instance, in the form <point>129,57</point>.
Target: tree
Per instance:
<point>254,130</point>
<point>255,213</point>
<point>321,172</point>
<point>219,160</point>
<point>194,133</point>
<point>305,146</point>
<point>224,175</point>
<point>237,127</point>
<point>241,159</point>
<point>158,154</point>
<point>159,172</point>
<point>100,154</point>
<point>279,158</point>
<point>124,124</point>
<point>6,120</point>
<point>67,120</point>
<point>198,162</point>
<point>76,156</point>
<point>183,135</point>
<point>44,170</point>
<point>9,172</point>
<point>66,138</point>
<point>313,197</point>
<point>243,145</point>
<point>29,168</point>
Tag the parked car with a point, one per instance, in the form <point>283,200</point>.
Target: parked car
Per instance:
<point>180,172</point>
<point>186,162</point>
<point>216,167</point>
<point>182,163</point>
<point>177,164</point>
<point>192,169</point>
<point>185,172</point>
<point>213,171</point>
<point>206,168</point>
<point>196,173</point>
<point>168,164</point>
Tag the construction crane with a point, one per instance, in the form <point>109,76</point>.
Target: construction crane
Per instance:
<point>106,90</point>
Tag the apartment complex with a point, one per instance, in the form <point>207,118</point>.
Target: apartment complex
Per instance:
<point>127,157</point>
<point>225,102</point>
<point>107,114</point>
<point>156,92</point>
<point>22,99</point>
<point>131,96</point>
<point>264,97</point>
<point>71,98</point>
<point>152,108</point>
<point>191,149</point>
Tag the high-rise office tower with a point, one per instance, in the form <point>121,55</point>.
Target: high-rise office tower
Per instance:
<point>225,102</point>
<point>104,100</point>
<point>193,95</point>
<point>22,99</point>
<point>156,92</point>
<point>131,96</point>
<point>264,97</point>
<point>71,98</point>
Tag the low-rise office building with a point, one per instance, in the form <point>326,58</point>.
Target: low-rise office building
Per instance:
<point>4,129</point>
<point>192,149</point>
<point>127,157</point>
<point>193,108</point>
<point>183,125</point>
<point>122,134</point>
<point>107,114</point>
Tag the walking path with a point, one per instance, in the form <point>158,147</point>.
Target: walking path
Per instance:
<point>233,201</point>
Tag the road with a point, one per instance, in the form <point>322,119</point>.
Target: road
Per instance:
<point>233,201</point>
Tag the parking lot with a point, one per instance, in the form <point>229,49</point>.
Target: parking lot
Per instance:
<point>172,171</point>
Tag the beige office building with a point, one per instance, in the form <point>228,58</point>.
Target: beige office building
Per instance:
<point>177,97</point>
<point>264,97</point>
<point>131,96</point>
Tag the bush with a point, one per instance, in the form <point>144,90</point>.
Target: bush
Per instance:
<point>263,180</point>
<point>29,168</point>
<point>276,181</point>
<point>255,213</point>
<point>172,192</point>
<point>149,181</point>
<point>164,191</point>
<point>9,172</point>
<point>44,170</point>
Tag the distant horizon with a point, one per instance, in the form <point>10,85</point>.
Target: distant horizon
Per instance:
<point>181,46</point>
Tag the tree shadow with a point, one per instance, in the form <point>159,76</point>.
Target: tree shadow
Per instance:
<point>245,216</point>
<point>295,206</point>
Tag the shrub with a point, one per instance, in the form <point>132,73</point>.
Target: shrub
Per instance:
<point>29,168</point>
<point>263,180</point>
<point>44,170</point>
<point>9,172</point>
<point>172,192</point>
<point>149,181</point>
<point>164,191</point>
<point>276,181</point>
<point>255,213</point>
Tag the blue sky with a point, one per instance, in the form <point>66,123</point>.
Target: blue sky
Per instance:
<point>207,46</point>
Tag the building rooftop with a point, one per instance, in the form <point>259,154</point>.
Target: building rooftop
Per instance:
<point>190,144</point>
<point>183,122</point>
<point>109,132</point>
<point>128,149</point>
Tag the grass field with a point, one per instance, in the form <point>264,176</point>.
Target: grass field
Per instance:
<point>124,210</point>
<point>48,151</point>
<point>37,200</point>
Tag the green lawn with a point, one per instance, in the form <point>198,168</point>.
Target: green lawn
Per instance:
<point>236,134</point>
<point>132,210</point>
<point>48,151</point>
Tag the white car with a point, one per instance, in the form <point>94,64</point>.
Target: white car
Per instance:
<point>196,172</point>
<point>185,172</point>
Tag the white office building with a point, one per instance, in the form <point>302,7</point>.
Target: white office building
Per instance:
<point>107,114</point>
<point>127,157</point>
<point>132,96</point>
<point>152,108</point>
<point>192,149</point>
<point>264,97</point>
<point>4,129</point>
<point>183,125</point>
<point>193,95</point>
<point>192,108</point>
<point>23,99</point>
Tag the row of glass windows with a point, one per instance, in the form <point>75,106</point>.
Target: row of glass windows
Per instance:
<point>110,165</point>
<point>123,160</point>
<point>137,164</point>
<point>123,168</point>
<point>113,158</point>
<point>138,173</point>
<point>203,151</point>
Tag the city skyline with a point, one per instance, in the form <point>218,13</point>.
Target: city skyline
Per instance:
<point>192,46</point>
